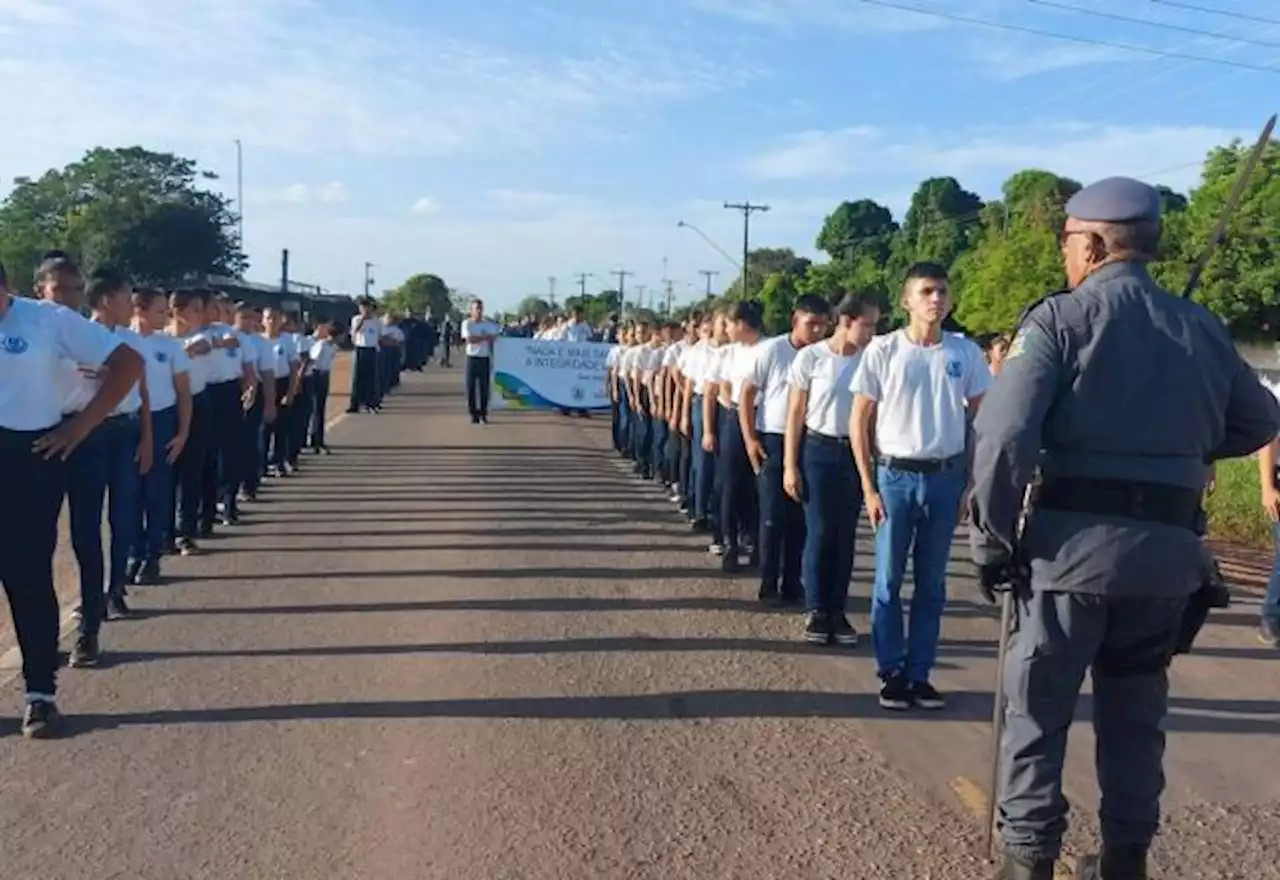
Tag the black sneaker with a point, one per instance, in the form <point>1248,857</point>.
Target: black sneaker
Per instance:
<point>131,571</point>
<point>148,575</point>
<point>895,694</point>
<point>117,608</point>
<point>699,526</point>
<point>792,599</point>
<point>1014,868</point>
<point>206,530</point>
<point>925,696</point>
<point>187,547</point>
<point>729,563</point>
<point>41,720</point>
<point>85,653</point>
<point>1269,632</point>
<point>842,631</point>
<point>768,595</point>
<point>817,629</point>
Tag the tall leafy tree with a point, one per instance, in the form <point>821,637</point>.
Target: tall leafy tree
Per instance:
<point>941,222</point>
<point>420,294</point>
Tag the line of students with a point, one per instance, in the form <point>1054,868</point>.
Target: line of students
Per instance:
<point>167,410</point>
<point>773,446</point>
<point>382,352</point>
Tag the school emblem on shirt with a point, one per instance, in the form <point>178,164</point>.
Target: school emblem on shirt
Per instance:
<point>161,357</point>
<point>14,345</point>
<point>955,369</point>
<point>280,350</point>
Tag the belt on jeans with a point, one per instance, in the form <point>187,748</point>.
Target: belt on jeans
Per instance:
<point>828,438</point>
<point>922,465</point>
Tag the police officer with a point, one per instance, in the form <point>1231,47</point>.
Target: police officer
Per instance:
<point>34,445</point>
<point>1131,392</point>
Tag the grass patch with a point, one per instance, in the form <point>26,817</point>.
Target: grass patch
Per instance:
<point>1234,509</point>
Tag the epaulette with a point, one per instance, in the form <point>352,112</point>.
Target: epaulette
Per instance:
<point>1022,318</point>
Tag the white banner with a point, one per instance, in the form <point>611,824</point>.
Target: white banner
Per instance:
<point>543,374</point>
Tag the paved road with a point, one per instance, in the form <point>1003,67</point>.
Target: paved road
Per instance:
<point>451,651</point>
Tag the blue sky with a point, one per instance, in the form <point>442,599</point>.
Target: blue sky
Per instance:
<point>498,143</point>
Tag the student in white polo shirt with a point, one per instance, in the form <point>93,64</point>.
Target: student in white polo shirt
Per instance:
<point>366,336</point>
<point>916,390</point>
<point>693,366</point>
<point>226,375</point>
<point>738,503</point>
<point>762,416</point>
<point>672,385</point>
<point>169,399</point>
<point>819,470</point>
<point>711,417</point>
<point>35,442</point>
<point>319,365</point>
<point>287,362</point>
<point>187,311</point>
<point>479,334</point>
<point>617,396</point>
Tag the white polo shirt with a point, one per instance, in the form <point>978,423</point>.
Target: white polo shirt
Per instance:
<point>694,364</point>
<point>576,331</point>
<point>481,327</point>
<point>922,393</point>
<point>225,364</point>
<point>201,364</point>
<point>769,374</point>
<point>284,354</point>
<point>370,329</point>
<point>825,375</point>
<point>735,367</point>
<point>650,362</point>
<point>165,358</point>
<point>322,352</point>
<point>35,339</point>
<point>673,353</point>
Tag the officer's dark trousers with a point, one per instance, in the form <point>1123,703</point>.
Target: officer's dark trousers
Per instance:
<point>737,483</point>
<point>251,445</point>
<point>478,377</point>
<point>364,379</point>
<point>191,467</point>
<point>87,471</point>
<point>27,571</point>
<point>122,435</point>
<point>319,405</point>
<point>278,432</point>
<point>782,530</point>
<point>155,490</point>
<point>300,419</point>
<point>1057,637</point>
<point>832,501</point>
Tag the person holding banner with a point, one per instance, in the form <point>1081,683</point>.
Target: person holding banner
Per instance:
<point>479,334</point>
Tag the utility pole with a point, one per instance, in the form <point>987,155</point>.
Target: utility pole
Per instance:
<point>746,208</point>
<point>640,288</point>
<point>622,274</point>
<point>582,282</point>
<point>368,278</point>
<point>709,273</point>
<point>240,191</point>
<point>551,282</point>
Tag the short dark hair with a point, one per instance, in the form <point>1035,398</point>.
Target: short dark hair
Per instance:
<point>105,282</point>
<point>748,312</point>
<point>855,305</point>
<point>143,297</point>
<point>926,270</point>
<point>812,304</point>
<point>54,265</point>
<point>183,298</point>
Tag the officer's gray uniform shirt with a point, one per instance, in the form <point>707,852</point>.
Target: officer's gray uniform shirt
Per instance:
<point>1121,380</point>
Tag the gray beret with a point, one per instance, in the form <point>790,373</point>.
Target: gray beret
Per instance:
<point>1115,200</point>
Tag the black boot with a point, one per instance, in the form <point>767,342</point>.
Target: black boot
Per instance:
<point>1016,869</point>
<point>1123,862</point>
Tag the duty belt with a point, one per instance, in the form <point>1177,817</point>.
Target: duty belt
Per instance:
<point>1148,502</point>
<point>922,465</point>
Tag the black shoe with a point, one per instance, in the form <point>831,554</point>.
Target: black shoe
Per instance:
<point>85,654</point>
<point>1123,862</point>
<point>131,571</point>
<point>729,563</point>
<point>817,629</point>
<point>895,693</point>
<point>1269,632</point>
<point>700,526</point>
<point>326,450</point>
<point>148,575</point>
<point>768,595</point>
<point>187,547</point>
<point>117,608</point>
<point>1016,869</point>
<point>41,720</point>
<point>484,418</point>
<point>924,696</point>
<point>792,599</point>
<point>842,631</point>
<point>206,530</point>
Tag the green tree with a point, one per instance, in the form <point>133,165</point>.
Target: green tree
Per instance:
<point>777,299</point>
<point>856,229</point>
<point>763,262</point>
<point>144,212</point>
<point>1005,274</point>
<point>420,294</point>
<point>940,224</point>
<point>533,307</point>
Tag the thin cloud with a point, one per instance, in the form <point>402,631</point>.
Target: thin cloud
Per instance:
<point>425,206</point>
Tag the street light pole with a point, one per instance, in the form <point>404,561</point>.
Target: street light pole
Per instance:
<point>746,208</point>
<point>240,191</point>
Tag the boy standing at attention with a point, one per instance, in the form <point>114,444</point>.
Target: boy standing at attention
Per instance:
<point>914,393</point>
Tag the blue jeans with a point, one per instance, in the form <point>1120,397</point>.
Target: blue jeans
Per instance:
<point>832,500</point>
<point>87,470</point>
<point>920,520</point>
<point>1271,600</point>
<point>155,512</point>
<point>624,421</point>
<point>737,483</point>
<point>123,435</point>
<point>705,496</point>
<point>782,529</point>
<point>661,432</point>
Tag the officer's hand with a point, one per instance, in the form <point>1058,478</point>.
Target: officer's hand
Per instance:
<point>1002,577</point>
<point>793,485</point>
<point>875,510</point>
<point>1271,503</point>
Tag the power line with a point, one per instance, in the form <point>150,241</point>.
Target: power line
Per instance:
<point>747,210</point>
<point>1229,13</point>
<point>1018,28</point>
<point>1147,22</point>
